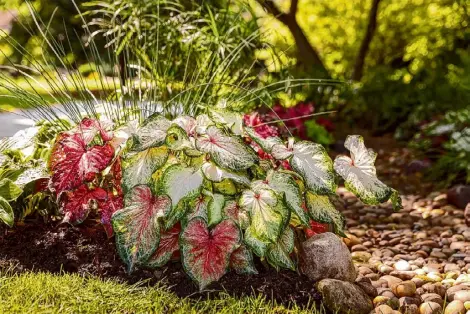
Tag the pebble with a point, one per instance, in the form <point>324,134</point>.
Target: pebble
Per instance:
<point>402,265</point>
<point>430,308</point>
<point>404,289</point>
<point>455,307</point>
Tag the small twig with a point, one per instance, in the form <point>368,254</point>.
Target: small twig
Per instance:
<point>299,117</point>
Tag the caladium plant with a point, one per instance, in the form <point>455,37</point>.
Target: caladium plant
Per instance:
<point>194,188</point>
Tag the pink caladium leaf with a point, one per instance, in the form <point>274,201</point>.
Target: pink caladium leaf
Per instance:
<point>73,163</point>
<point>77,204</point>
<point>206,253</point>
<point>241,261</point>
<point>89,128</point>
<point>169,245</point>
<point>137,225</point>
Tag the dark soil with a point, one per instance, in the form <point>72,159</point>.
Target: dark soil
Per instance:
<point>87,250</point>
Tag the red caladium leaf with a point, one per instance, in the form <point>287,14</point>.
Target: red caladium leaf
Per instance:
<point>241,261</point>
<point>206,253</point>
<point>315,228</point>
<point>168,247</point>
<point>107,208</point>
<point>77,204</point>
<point>72,162</point>
<point>137,225</point>
<point>89,128</point>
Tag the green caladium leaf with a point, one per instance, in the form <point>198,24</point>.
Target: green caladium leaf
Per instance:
<point>278,253</point>
<point>225,187</point>
<point>176,214</point>
<point>6,212</point>
<point>137,225</point>
<point>232,120</point>
<point>226,151</point>
<point>216,174</point>
<point>284,183</point>
<point>177,139</point>
<point>9,190</point>
<point>139,167</point>
<point>359,172</point>
<point>241,261</point>
<point>179,182</point>
<point>215,209</point>
<point>152,132</point>
<point>233,211</point>
<point>10,173</point>
<point>206,252</point>
<point>167,247</point>
<point>258,246</point>
<point>322,210</point>
<point>266,144</point>
<point>266,211</point>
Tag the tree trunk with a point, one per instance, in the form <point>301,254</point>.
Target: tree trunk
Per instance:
<point>358,69</point>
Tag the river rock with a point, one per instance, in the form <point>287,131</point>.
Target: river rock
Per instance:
<point>430,308</point>
<point>459,196</point>
<point>344,297</point>
<point>455,307</point>
<point>326,256</point>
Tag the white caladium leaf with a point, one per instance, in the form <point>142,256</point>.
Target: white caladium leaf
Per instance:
<point>266,144</point>
<point>152,132</point>
<point>321,209</point>
<point>202,123</point>
<point>187,123</point>
<point>179,181</point>
<point>359,172</point>
<point>284,183</point>
<point>278,253</point>
<point>267,218</point>
<point>123,133</point>
<point>227,151</point>
<point>216,174</point>
<point>231,119</point>
<point>215,209</point>
<point>139,167</point>
<point>312,162</point>
<point>32,174</point>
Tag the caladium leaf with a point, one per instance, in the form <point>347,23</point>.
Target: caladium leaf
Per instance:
<point>227,151</point>
<point>258,246</point>
<point>169,245</point>
<point>278,253</point>
<point>266,144</point>
<point>266,212</point>
<point>137,226</point>
<point>284,183</point>
<point>216,174</point>
<point>77,204</point>
<point>359,172</point>
<point>206,253</point>
<point>152,132</point>
<point>233,120</point>
<point>202,123</point>
<point>187,123</point>
<point>107,208</point>
<point>32,174</point>
<point>6,212</point>
<point>241,261</point>
<point>9,190</point>
<point>176,214</point>
<point>312,162</point>
<point>177,139</point>
<point>179,181</point>
<point>215,208</point>
<point>315,228</point>
<point>233,211</point>
<point>140,166</point>
<point>72,162</point>
<point>89,128</point>
<point>321,209</point>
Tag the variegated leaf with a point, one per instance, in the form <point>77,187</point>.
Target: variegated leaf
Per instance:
<point>321,209</point>
<point>179,181</point>
<point>169,244</point>
<point>258,246</point>
<point>359,172</point>
<point>202,123</point>
<point>266,144</point>
<point>140,166</point>
<point>137,226</point>
<point>177,139</point>
<point>152,132</point>
<point>284,183</point>
<point>77,204</point>
<point>233,211</point>
<point>241,261</point>
<point>9,190</point>
<point>6,212</point>
<point>227,151</point>
<point>187,123</point>
<point>233,120</point>
<point>215,208</point>
<point>278,254</point>
<point>216,174</point>
<point>206,253</point>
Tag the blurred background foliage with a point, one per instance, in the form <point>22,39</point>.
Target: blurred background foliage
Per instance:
<point>403,65</point>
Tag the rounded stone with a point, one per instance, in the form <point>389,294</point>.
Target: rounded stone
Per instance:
<point>361,256</point>
<point>462,295</point>
<point>404,289</point>
<point>455,307</point>
<point>384,309</point>
<point>402,265</point>
<point>432,297</point>
<point>430,308</point>
<point>344,297</point>
<point>391,280</point>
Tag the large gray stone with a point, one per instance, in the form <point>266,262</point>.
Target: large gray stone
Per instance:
<point>326,256</point>
<point>344,297</point>
<point>459,196</point>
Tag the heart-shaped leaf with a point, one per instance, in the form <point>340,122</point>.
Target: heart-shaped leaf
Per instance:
<point>107,208</point>
<point>232,120</point>
<point>321,209</point>
<point>266,144</point>
<point>140,166</point>
<point>215,208</point>
<point>76,205</point>
<point>6,212</point>
<point>187,123</point>
<point>258,246</point>
<point>72,162</point>
<point>241,261</point>
<point>89,128</point>
<point>169,244</point>
<point>206,253</point>
<point>179,182</point>
<point>359,172</point>
<point>9,190</point>
<point>278,253</point>
<point>152,132</point>
<point>284,183</point>
<point>216,174</point>
<point>137,226</point>
<point>227,151</point>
